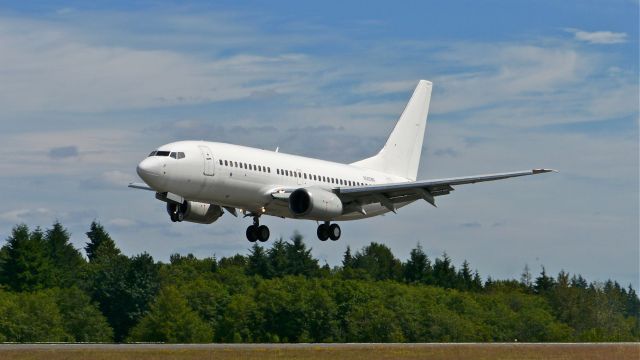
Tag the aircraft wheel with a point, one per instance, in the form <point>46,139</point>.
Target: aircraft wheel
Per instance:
<point>323,232</point>
<point>334,232</point>
<point>180,216</point>
<point>173,217</point>
<point>252,233</point>
<point>263,233</point>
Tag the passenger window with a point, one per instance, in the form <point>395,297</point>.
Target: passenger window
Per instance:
<point>226,163</point>
<point>235,163</point>
<point>259,168</point>
<point>220,162</point>
<point>269,170</point>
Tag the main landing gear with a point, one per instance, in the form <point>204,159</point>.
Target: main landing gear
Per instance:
<point>329,231</point>
<point>257,231</point>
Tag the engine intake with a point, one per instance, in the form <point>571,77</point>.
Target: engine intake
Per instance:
<point>197,212</point>
<point>315,204</point>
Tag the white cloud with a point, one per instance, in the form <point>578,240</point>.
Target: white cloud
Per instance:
<point>599,37</point>
<point>48,68</point>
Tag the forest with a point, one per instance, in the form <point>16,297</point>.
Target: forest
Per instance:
<point>50,292</point>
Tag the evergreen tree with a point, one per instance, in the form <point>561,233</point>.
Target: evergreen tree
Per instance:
<point>67,262</point>
<point>26,265</point>
<point>347,259</point>
<point>99,242</point>
<point>278,258</point>
<point>299,259</point>
<point>465,277</point>
<point>444,273</point>
<point>543,282</point>
<point>418,267</point>
<point>258,262</point>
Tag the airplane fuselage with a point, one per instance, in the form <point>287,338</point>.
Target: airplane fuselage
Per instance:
<point>245,178</point>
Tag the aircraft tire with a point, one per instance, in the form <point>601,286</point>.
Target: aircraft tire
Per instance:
<point>334,232</point>
<point>323,232</point>
<point>252,233</point>
<point>263,233</point>
<point>173,217</point>
<point>180,216</point>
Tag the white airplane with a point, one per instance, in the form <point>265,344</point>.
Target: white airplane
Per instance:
<point>200,180</point>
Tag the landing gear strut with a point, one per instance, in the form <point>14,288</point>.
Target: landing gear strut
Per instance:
<point>329,231</point>
<point>257,231</point>
<point>176,212</point>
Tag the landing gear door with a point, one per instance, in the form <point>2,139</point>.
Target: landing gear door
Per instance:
<point>208,160</point>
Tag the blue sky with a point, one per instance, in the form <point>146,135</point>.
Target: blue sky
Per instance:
<point>88,90</point>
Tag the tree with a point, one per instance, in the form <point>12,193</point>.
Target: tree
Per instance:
<point>299,259</point>
<point>100,243</point>
<point>278,258</point>
<point>444,273</point>
<point>26,266</point>
<point>418,267</point>
<point>347,259</point>
<point>465,277</point>
<point>81,318</point>
<point>66,261</point>
<point>258,262</point>
<point>378,261</point>
<point>171,320</point>
<point>122,287</point>
<point>543,282</point>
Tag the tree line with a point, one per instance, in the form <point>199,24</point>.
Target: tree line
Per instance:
<point>49,291</point>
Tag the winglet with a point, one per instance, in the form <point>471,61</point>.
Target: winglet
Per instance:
<point>541,171</point>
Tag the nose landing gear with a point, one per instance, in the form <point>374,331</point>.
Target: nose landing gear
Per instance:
<point>329,231</point>
<point>176,212</point>
<point>257,231</point>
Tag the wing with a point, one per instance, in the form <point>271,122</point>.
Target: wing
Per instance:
<point>390,194</point>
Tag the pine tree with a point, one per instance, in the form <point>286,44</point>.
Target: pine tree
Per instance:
<point>418,267</point>
<point>66,260</point>
<point>347,259</point>
<point>278,258</point>
<point>299,259</point>
<point>465,277</point>
<point>543,282</point>
<point>100,243</point>
<point>26,266</point>
<point>258,262</point>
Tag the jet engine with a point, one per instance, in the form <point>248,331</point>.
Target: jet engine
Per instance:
<point>315,204</point>
<point>196,212</point>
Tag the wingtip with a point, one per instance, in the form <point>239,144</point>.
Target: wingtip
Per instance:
<point>540,171</point>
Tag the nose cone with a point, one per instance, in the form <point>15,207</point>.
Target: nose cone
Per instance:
<point>149,169</point>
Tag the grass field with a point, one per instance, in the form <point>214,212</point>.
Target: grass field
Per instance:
<point>323,351</point>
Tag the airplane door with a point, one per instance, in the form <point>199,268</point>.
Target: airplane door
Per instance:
<point>208,160</point>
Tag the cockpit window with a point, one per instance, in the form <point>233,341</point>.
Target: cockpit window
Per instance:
<point>180,155</point>
<point>153,153</point>
<point>173,155</point>
<point>162,153</point>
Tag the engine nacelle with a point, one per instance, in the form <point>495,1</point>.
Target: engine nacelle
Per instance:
<point>315,204</point>
<point>197,212</point>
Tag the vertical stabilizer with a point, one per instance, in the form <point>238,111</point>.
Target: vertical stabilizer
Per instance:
<point>401,154</point>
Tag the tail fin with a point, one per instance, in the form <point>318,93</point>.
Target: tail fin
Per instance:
<point>401,154</point>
